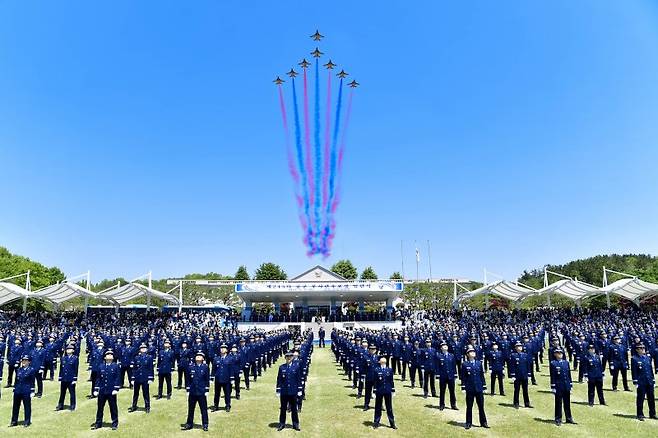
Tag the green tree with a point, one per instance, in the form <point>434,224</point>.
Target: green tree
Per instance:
<point>396,276</point>
<point>345,269</point>
<point>270,271</point>
<point>241,274</point>
<point>369,274</point>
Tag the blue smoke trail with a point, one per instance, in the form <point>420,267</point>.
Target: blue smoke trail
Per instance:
<point>300,160</point>
<point>318,156</point>
<point>332,173</point>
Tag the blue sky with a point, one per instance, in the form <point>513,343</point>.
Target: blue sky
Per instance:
<point>140,136</point>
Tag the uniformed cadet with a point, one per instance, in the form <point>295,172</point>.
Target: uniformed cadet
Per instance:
<point>166,359</point>
<point>415,365</point>
<point>184,358</point>
<point>428,355</point>
<point>236,369</point>
<point>371,364</point>
<point>407,350</point>
<point>23,391</point>
<point>384,391</point>
<point>106,388</point>
<point>198,386</point>
<point>446,370</point>
<point>14,362</point>
<point>38,357</point>
<point>222,375</point>
<point>561,386</point>
<point>125,358</point>
<point>396,353</point>
<point>593,373</point>
<point>95,361</point>
<point>474,384</point>
<point>288,388</point>
<point>142,376</point>
<point>68,377</point>
<point>3,347</point>
<point>321,335</point>
<point>244,359</point>
<point>520,373</point>
<point>496,368</point>
<point>618,362</point>
<point>644,382</point>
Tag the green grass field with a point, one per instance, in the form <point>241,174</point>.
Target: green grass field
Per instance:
<point>331,409</point>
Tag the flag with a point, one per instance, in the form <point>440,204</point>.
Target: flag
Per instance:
<point>417,256</point>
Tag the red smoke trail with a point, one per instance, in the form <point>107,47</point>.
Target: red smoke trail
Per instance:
<point>327,151</point>
<point>291,162</point>
<point>309,160</point>
<point>341,153</point>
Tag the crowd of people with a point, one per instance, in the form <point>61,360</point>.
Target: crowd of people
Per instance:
<point>340,316</point>
<point>454,346</point>
<point>120,350</point>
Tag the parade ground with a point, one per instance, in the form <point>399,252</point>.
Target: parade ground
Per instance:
<point>331,409</point>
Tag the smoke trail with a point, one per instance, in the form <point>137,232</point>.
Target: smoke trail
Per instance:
<point>284,116</point>
<point>341,153</point>
<point>318,155</point>
<point>327,151</point>
<point>309,165</point>
<point>332,171</point>
<point>300,162</point>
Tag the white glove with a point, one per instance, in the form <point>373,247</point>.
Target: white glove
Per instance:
<point>95,393</point>
<point>299,394</point>
<point>553,391</point>
<point>513,379</point>
<point>31,395</point>
<point>206,394</point>
<point>115,392</point>
<point>72,383</point>
<point>393,394</point>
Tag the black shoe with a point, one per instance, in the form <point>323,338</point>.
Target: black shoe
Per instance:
<point>228,409</point>
<point>95,426</point>
<point>516,406</point>
<point>375,426</point>
<point>570,421</point>
<point>115,427</point>
<point>454,408</point>
<point>168,396</point>
<point>441,408</point>
<point>237,397</point>
<point>132,409</point>
<point>424,395</point>
<point>529,406</point>
<point>640,417</point>
<point>186,427</point>
<point>158,397</point>
<point>502,394</point>
<point>214,409</point>
<point>59,408</point>
<point>558,423</point>
<point>280,428</point>
<point>365,408</point>
<point>72,408</point>
<point>148,410</point>
<point>297,428</point>
<point>653,417</point>
<point>591,405</point>
<point>205,428</point>
<point>26,424</point>
<point>393,426</point>
<point>467,426</point>
<point>13,424</point>
<point>485,425</point>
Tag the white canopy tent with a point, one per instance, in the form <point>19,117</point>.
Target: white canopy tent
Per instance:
<point>503,288</point>
<point>11,292</point>
<point>122,294</point>
<point>632,289</point>
<point>569,288</point>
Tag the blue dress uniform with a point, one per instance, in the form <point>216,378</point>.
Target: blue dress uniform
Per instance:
<point>15,354</point>
<point>428,355</point>
<point>222,375</point>
<point>3,347</point>
<point>125,356</point>
<point>415,365</point>
<point>23,391</point>
<point>384,390</point>
<point>644,381</point>
<point>38,356</point>
<point>474,384</point>
<point>520,373</point>
<point>407,351</point>
<point>289,387</point>
<point>106,388</point>
<point>184,363</point>
<point>95,362</point>
<point>142,376</point>
<point>496,367</point>
<point>618,362</point>
<point>593,372</point>
<point>561,386</point>
<point>236,369</point>
<point>321,335</point>
<point>446,366</point>
<point>371,363</point>
<point>68,377</point>
<point>197,389</point>
<point>166,358</point>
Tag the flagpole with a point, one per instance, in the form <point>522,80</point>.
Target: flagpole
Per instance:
<point>402,258</point>
<point>429,258</point>
<point>417,276</point>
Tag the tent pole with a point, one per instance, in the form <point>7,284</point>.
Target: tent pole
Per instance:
<point>605,283</point>
<point>180,297</point>
<point>148,296</point>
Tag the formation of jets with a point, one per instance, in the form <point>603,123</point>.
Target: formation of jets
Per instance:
<point>316,54</point>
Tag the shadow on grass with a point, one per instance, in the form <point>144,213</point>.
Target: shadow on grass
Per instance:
<point>418,395</point>
<point>368,423</point>
<point>544,391</point>
<point>580,403</point>
<point>432,406</point>
<point>456,423</point>
<point>544,420</point>
<point>629,416</point>
<point>359,406</point>
<point>506,405</point>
